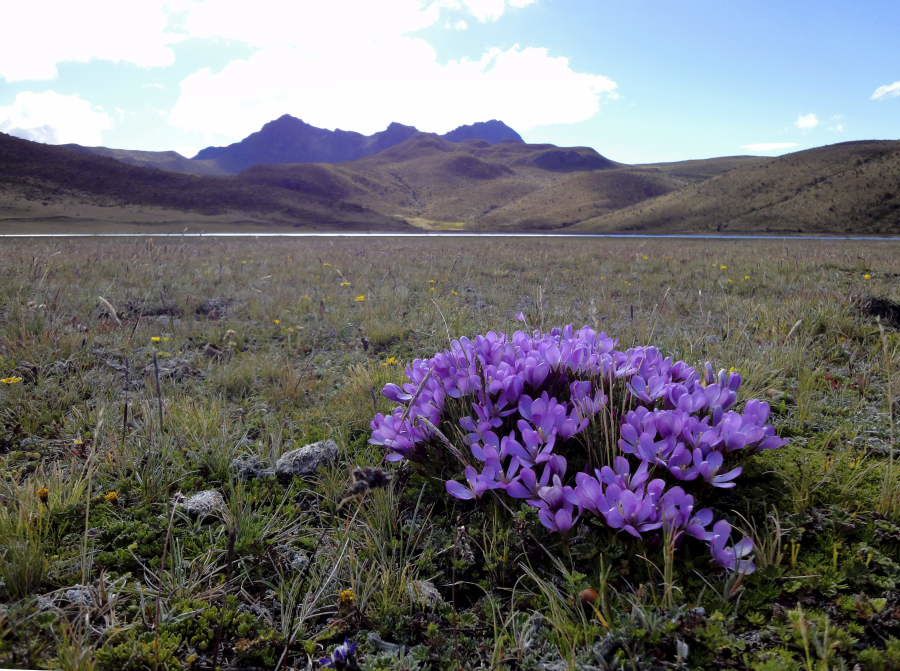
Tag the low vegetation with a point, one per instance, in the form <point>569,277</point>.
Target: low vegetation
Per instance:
<point>135,374</point>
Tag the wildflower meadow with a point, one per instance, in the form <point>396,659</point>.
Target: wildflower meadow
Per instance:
<point>449,454</point>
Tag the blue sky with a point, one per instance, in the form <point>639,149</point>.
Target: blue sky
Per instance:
<point>639,81</point>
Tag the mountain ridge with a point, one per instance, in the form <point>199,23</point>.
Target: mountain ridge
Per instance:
<point>424,180</point>
<point>288,139</point>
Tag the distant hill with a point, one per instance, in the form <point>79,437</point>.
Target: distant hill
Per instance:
<point>429,182</point>
<point>162,160</point>
<point>39,180</point>
<point>840,188</point>
<point>291,140</point>
<point>441,184</point>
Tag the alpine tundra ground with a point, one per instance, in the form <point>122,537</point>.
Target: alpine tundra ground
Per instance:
<point>135,372</point>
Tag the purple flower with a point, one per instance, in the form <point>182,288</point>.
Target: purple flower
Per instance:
<point>731,558</point>
<point>522,398</point>
<point>555,505</point>
<point>708,468</point>
<point>634,512</point>
<point>342,657</point>
<point>479,483</point>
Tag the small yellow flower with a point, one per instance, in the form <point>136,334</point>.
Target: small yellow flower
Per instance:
<point>723,267</point>
<point>645,257</point>
<point>454,292</point>
<point>77,442</point>
<point>432,281</point>
<point>325,264</point>
<point>361,298</point>
<point>111,497</point>
<point>160,338</point>
<point>345,283</point>
<point>730,281</point>
<point>276,321</point>
<point>43,494</point>
<point>867,276</point>
<point>14,379</point>
<point>347,597</point>
<point>391,361</point>
<point>746,277</point>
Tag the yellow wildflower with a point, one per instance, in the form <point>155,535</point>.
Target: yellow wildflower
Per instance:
<point>391,361</point>
<point>77,442</point>
<point>454,292</point>
<point>723,267</point>
<point>43,494</point>
<point>111,497</point>
<point>160,338</point>
<point>746,277</point>
<point>361,298</point>
<point>345,283</point>
<point>276,321</point>
<point>14,379</point>
<point>867,276</point>
<point>645,257</point>
<point>347,597</point>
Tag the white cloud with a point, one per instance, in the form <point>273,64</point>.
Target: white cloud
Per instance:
<point>807,121</point>
<point>459,24</point>
<point>54,118</point>
<point>836,123</point>
<point>397,80</point>
<point>41,34</point>
<point>887,91</point>
<point>363,74</point>
<point>768,147</point>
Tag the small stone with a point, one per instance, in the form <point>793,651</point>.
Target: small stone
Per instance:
<point>80,596</point>
<point>174,368</point>
<point>424,594</point>
<point>203,504</point>
<point>213,308</point>
<point>250,467</point>
<point>306,460</point>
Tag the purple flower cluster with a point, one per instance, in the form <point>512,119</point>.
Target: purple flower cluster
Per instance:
<point>529,401</point>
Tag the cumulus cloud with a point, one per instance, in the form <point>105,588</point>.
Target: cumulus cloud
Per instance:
<point>887,91</point>
<point>41,34</point>
<point>353,64</point>
<point>402,81</point>
<point>769,147</point>
<point>807,121</point>
<point>363,74</point>
<point>489,10</point>
<point>54,118</point>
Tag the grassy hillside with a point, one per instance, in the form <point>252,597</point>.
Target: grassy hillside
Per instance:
<point>36,177</point>
<point>161,160</point>
<point>848,187</point>
<point>476,185</point>
<point>432,183</point>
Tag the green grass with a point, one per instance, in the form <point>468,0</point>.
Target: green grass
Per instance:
<point>296,358</point>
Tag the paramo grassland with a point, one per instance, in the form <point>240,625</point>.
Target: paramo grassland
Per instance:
<point>135,372</point>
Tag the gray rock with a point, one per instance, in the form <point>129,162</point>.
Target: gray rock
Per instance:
<point>296,559</point>
<point>306,460</point>
<point>203,504</point>
<point>80,596</point>
<point>424,594</point>
<point>250,466</point>
<point>174,368</point>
